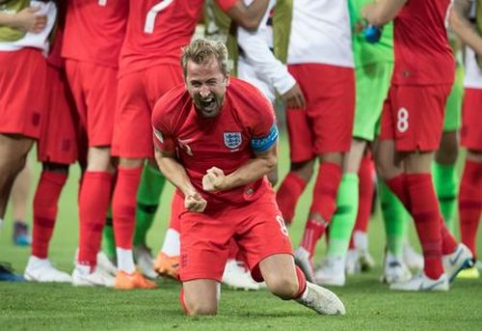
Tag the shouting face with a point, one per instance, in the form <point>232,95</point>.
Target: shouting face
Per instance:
<point>207,86</point>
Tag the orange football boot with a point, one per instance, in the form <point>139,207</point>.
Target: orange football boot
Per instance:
<point>167,266</point>
<point>125,281</point>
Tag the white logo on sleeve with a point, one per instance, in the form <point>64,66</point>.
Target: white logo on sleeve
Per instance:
<point>402,120</point>
<point>159,136</point>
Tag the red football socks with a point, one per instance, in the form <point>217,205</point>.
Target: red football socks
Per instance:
<point>288,194</point>
<point>45,206</point>
<point>427,217</point>
<point>124,205</point>
<point>326,189</point>
<point>365,192</point>
<point>470,203</point>
<point>93,203</point>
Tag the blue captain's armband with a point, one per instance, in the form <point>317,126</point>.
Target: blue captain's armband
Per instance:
<point>262,144</point>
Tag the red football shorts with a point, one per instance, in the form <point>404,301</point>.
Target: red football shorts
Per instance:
<point>58,140</point>
<point>257,228</point>
<point>326,125</point>
<point>413,116</point>
<point>137,94</point>
<point>94,89</point>
<point>22,92</point>
<point>471,133</point>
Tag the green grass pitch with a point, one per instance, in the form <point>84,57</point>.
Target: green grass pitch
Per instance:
<point>370,305</point>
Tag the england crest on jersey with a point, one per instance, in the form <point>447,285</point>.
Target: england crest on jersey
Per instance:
<point>233,140</point>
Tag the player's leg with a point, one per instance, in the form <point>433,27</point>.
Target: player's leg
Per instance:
<point>470,198</point>
<point>167,260</point>
<point>331,116</point>
<point>148,194</point>
<point>13,154</point>
<point>443,170</point>
<point>45,207</point>
<point>200,297</point>
<point>291,284</point>
<point>57,148</point>
<point>332,271</point>
<point>93,87</point>
<point>410,178</point>
<point>19,199</point>
<point>355,197</point>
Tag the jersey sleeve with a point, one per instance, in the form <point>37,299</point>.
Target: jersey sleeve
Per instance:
<point>226,5</point>
<point>264,131</point>
<point>162,134</point>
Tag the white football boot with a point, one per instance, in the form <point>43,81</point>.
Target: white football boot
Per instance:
<point>41,270</point>
<point>303,260</point>
<point>321,300</point>
<point>144,261</point>
<point>460,259</point>
<point>412,259</point>
<point>394,270</point>
<point>331,272</point>
<point>420,282</point>
<point>104,263</point>
<point>236,276</point>
<point>98,277</point>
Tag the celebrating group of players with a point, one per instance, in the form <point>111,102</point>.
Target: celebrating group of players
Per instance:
<point>84,77</point>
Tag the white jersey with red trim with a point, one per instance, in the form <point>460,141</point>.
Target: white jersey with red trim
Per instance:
<point>320,33</point>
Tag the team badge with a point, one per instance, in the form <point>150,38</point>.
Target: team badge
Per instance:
<point>233,140</point>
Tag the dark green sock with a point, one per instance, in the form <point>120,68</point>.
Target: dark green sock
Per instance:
<point>150,189</point>
<point>108,239</point>
<point>344,218</point>
<point>395,218</point>
<point>446,181</point>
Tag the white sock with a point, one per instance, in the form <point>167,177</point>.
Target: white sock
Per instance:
<point>360,240</point>
<point>304,295</point>
<point>83,269</point>
<point>125,260</point>
<point>172,243</point>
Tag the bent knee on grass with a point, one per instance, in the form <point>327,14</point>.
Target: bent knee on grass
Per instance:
<point>283,286</point>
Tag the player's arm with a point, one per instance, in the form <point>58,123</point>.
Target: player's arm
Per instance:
<point>380,12</point>
<point>266,151</point>
<point>269,68</point>
<point>26,20</point>
<point>248,17</point>
<point>459,21</point>
<point>176,174</point>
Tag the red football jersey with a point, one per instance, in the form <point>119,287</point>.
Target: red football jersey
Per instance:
<point>224,141</point>
<point>422,51</point>
<point>157,30</point>
<point>94,30</point>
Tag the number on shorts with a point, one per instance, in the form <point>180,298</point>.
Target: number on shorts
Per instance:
<point>402,120</point>
<point>103,3</point>
<point>282,225</point>
<point>152,14</point>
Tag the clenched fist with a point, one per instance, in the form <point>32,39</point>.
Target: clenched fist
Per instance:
<point>213,180</point>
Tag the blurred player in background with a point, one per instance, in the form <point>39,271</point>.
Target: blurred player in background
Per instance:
<point>412,123</point>
<point>466,21</point>
<point>57,149</point>
<point>24,30</point>
<point>320,58</point>
<point>94,31</point>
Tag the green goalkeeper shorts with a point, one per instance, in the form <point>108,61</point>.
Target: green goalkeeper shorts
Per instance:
<point>372,85</point>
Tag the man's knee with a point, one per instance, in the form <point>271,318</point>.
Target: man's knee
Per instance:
<point>196,307</point>
<point>283,286</point>
<point>303,169</point>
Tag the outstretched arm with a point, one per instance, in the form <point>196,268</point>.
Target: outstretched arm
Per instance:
<point>459,21</point>
<point>381,12</point>
<point>177,175</point>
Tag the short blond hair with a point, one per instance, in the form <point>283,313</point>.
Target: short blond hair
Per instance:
<point>201,51</point>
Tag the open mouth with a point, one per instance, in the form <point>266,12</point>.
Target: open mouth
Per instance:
<point>208,104</point>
